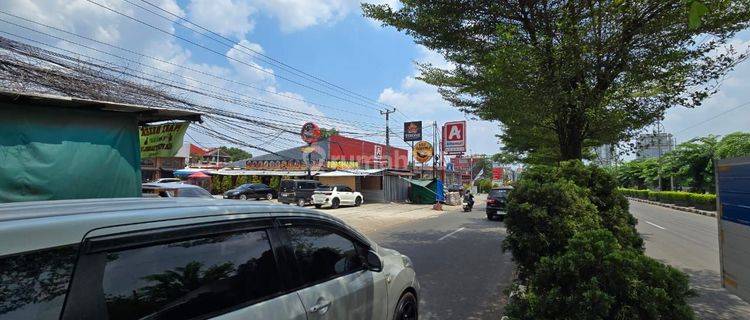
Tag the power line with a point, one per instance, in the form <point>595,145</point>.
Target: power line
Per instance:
<point>744,104</point>
<point>227,56</point>
<point>172,84</point>
<point>166,62</point>
<point>270,60</point>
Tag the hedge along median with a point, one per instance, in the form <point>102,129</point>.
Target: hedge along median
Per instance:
<point>702,201</point>
<point>578,254</point>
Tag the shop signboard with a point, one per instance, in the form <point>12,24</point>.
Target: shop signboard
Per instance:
<point>342,164</point>
<point>279,165</point>
<point>454,137</point>
<point>497,174</point>
<point>422,151</point>
<point>162,140</point>
<point>378,152</point>
<point>310,132</point>
<point>413,131</point>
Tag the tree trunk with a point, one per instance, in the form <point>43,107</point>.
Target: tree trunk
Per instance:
<point>570,139</point>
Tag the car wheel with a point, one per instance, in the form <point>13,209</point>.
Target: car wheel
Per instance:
<point>489,216</point>
<point>243,197</point>
<point>300,202</point>
<point>406,307</point>
<point>335,203</point>
<point>269,196</point>
<point>358,202</point>
<point>318,206</point>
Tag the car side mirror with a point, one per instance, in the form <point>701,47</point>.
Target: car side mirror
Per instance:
<point>373,262</point>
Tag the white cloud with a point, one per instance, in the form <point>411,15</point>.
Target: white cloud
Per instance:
<point>689,123</point>
<point>422,101</point>
<point>294,15</point>
<point>243,61</point>
<point>226,17</point>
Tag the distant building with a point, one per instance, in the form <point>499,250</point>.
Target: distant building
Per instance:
<point>606,155</point>
<point>653,145</point>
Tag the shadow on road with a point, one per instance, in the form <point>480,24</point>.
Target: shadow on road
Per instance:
<point>713,301</point>
<point>463,275</point>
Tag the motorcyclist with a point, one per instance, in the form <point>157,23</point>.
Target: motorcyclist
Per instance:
<point>469,199</point>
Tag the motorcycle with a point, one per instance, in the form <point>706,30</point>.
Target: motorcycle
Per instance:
<point>467,206</point>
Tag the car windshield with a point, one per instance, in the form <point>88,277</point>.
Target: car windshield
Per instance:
<point>245,186</point>
<point>287,185</point>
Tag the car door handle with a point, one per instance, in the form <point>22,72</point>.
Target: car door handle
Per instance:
<point>321,307</point>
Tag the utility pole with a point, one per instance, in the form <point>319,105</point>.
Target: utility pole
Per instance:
<point>387,138</point>
<point>434,149</point>
<point>658,146</point>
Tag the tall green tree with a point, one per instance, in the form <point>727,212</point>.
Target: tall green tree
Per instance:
<point>562,76</point>
<point>733,145</point>
<point>693,162</point>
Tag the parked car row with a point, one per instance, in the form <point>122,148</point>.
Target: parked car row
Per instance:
<point>190,258</point>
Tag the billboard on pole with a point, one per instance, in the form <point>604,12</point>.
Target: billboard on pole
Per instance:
<point>413,131</point>
<point>454,137</point>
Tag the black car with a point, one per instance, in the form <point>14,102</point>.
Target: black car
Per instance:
<point>298,192</point>
<point>250,191</point>
<point>497,201</point>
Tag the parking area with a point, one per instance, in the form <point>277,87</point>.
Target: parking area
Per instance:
<point>373,217</point>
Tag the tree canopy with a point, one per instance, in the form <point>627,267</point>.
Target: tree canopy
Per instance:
<point>562,76</point>
<point>235,153</point>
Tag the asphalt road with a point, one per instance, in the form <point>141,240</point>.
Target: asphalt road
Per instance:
<point>690,242</point>
<point>459,263</point>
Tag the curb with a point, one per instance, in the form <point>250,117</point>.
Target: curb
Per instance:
<point>671,206</point>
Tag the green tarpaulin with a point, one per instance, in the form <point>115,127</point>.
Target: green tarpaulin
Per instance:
<point>51,153</point>
<point>422,191</point>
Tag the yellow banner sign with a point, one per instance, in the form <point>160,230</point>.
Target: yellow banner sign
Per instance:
<point>339,164</point>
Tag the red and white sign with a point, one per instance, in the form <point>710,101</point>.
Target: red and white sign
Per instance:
<point>378,154</point>
<point>454,137</point>
<point>497,173</point>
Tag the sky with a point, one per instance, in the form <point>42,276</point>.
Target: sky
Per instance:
<point>329,40</point>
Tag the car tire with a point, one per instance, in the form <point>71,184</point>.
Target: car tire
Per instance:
<point>269,196</point>
<point>243,197</point>
<point>489,216</point>
<point>318,206</point>
<point>300,202</point>
<point>358,202</point>
<point>407,307</point>
<point>335,203</point>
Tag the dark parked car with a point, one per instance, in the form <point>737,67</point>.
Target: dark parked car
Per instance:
<point>255,191</point>
<point>171,190</point>
<point>497,201</point>
<point>298,192</point>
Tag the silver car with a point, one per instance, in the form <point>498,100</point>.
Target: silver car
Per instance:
<point>187,258</point>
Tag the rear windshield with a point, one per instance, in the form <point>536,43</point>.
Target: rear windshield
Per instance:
<point>499,193</point>
<point>324,188</point>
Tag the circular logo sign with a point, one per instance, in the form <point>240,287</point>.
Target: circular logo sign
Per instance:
<point>310,132</point>
<point>422,151</point>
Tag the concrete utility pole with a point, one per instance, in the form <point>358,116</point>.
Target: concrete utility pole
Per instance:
<point>434,149</point>
<point>387,138</point>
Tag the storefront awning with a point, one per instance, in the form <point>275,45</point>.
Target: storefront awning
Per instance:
<point>351,173</point>
<point>261,173</point>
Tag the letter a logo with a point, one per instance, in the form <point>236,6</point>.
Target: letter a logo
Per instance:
<point>455,133</point>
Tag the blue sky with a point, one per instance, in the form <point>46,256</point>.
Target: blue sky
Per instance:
<point>326,38</point>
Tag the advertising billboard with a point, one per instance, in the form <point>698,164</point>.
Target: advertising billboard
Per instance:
<point>413,131</point>
<point>422,151</point>
<point>454,137</point>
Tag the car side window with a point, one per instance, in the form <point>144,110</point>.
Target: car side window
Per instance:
<point>33,285</point>
<point>345,189</point>
<point>322,254</point>
<point>189,278</point>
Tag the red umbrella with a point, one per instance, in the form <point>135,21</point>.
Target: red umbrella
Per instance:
<point>198,175</point>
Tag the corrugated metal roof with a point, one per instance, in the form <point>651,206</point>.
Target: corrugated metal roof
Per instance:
<point>144,114</point>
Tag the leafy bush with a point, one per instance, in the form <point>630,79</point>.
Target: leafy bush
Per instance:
<point>542,216</point>
<point>699,200</point>
<point>703,201</point>
<point>596,278</point>
<point>551,203</point>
